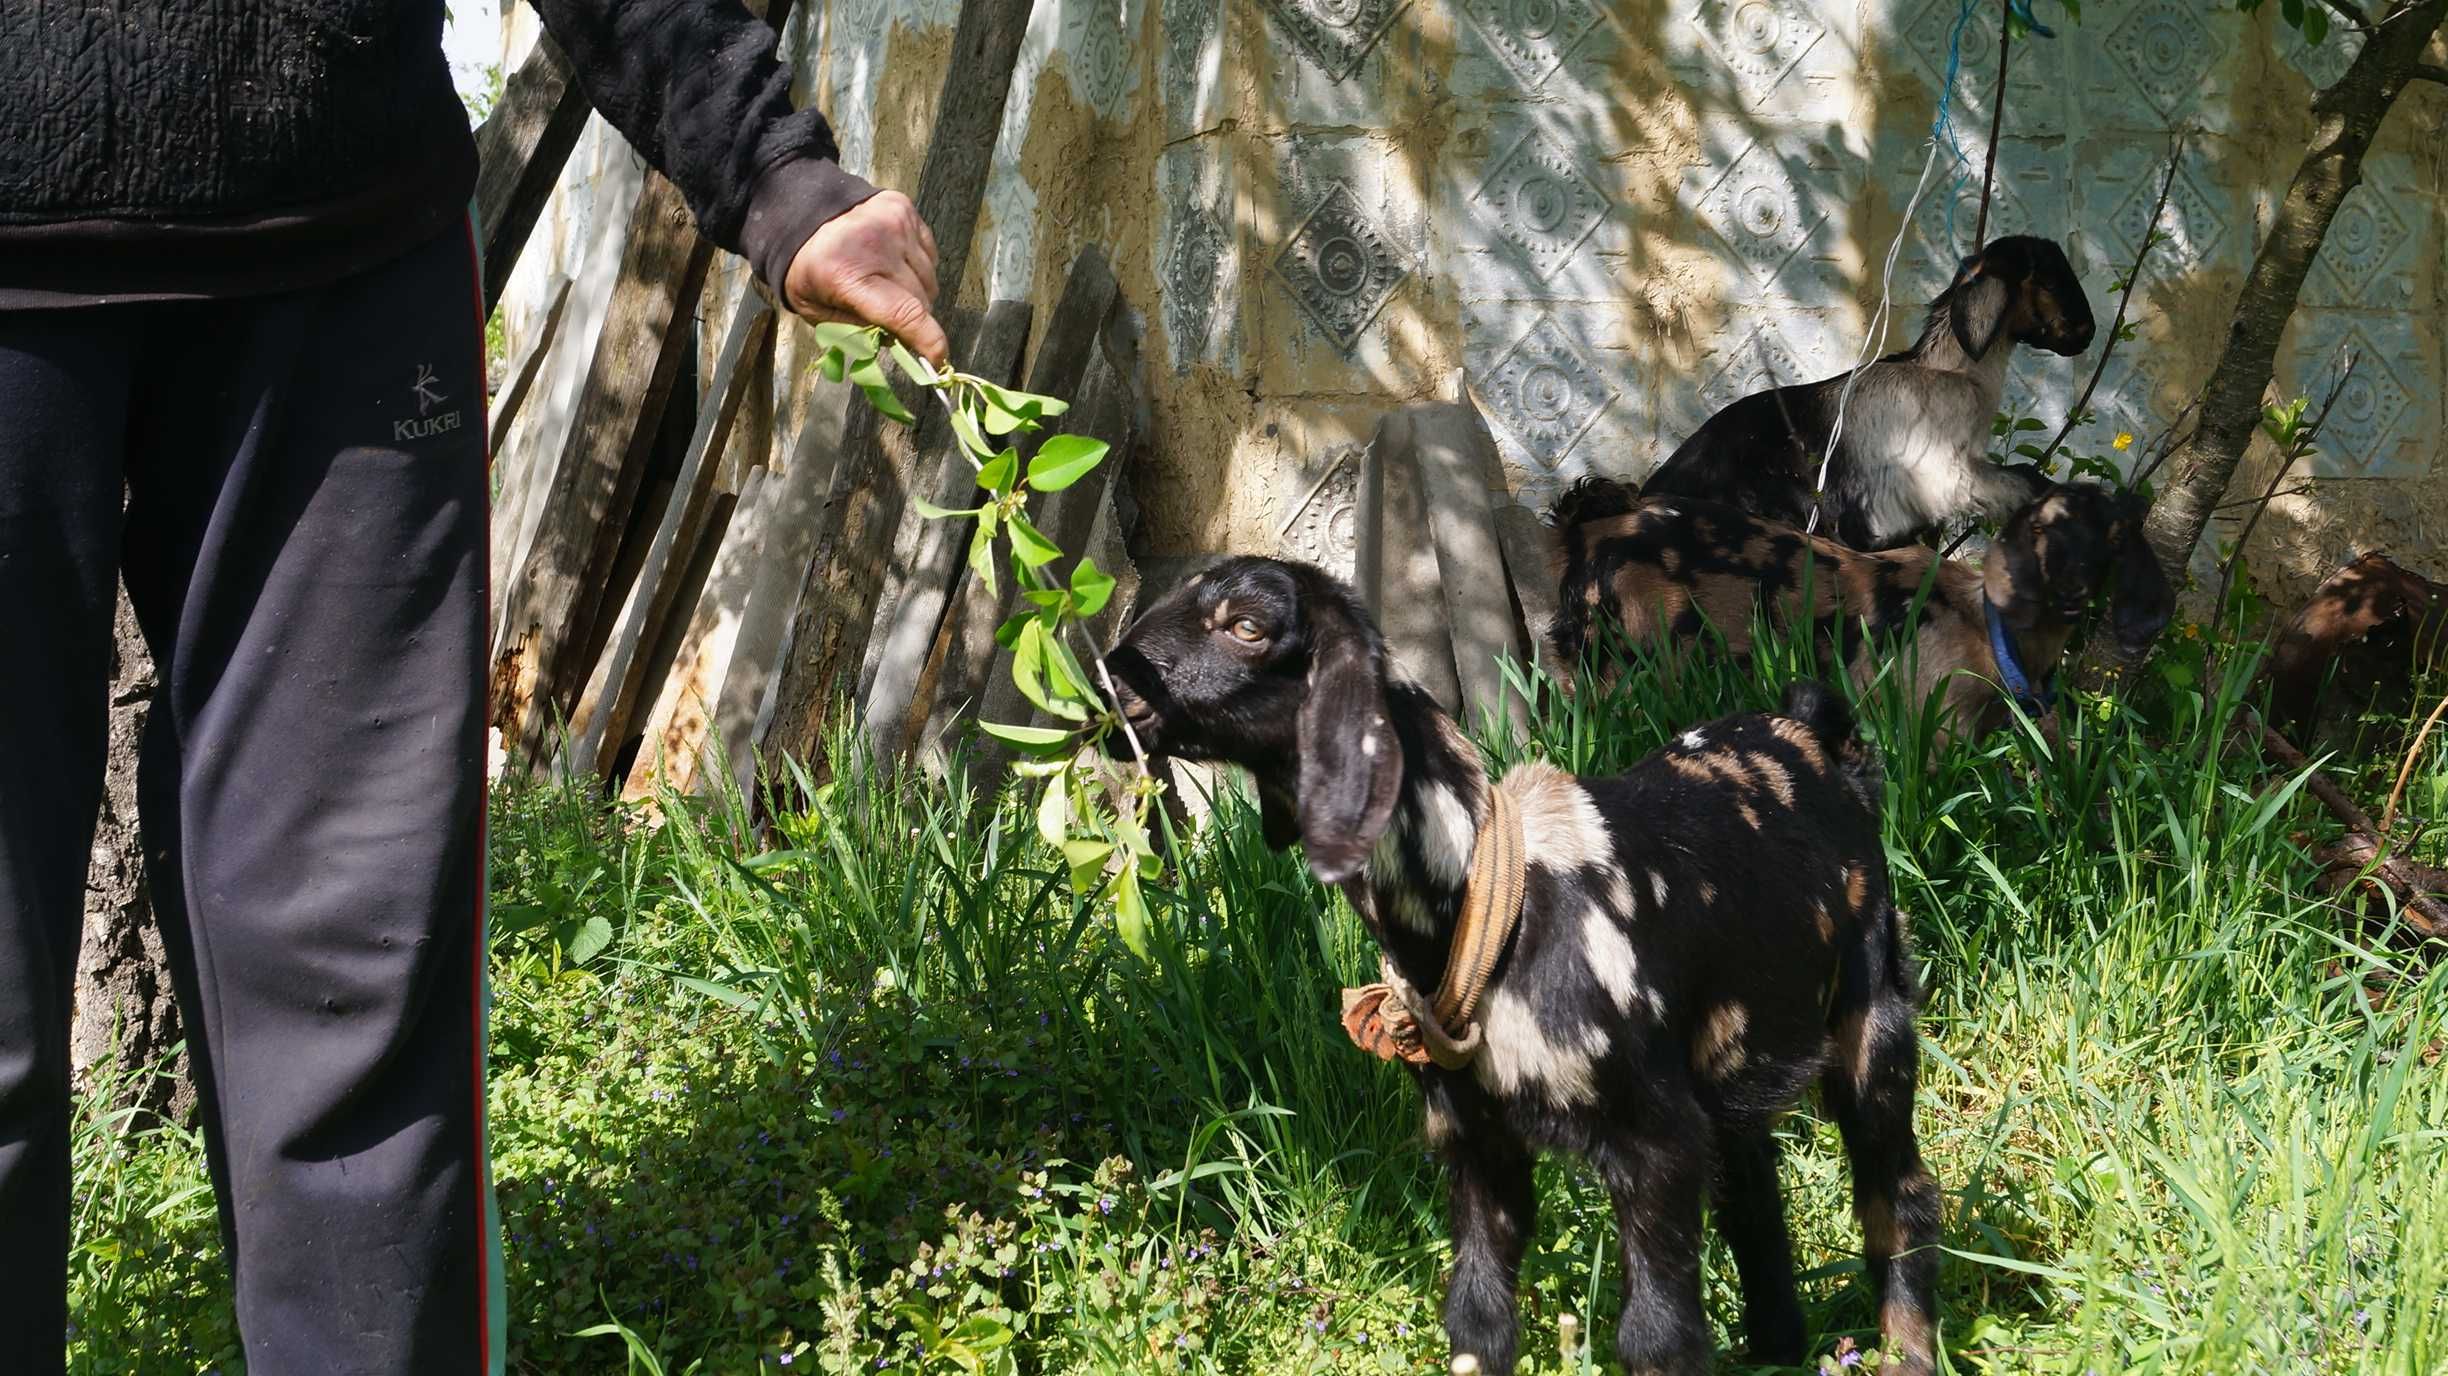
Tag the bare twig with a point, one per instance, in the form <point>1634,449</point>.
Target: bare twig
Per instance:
<point>2424,71</point>
<point>2405,771</point>
<point>2133,279</point>
<point>2305,437</point>
<point>1997,118</point>
<point>2168,441</point>
<point>2248,501</point>
<point>2415,885</point>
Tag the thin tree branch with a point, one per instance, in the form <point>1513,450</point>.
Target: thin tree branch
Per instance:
<point>2133,280</point>
<point>2405,771</point>
<point>2424,71</point>
<point>2305,437</point>
<point>1997,117</point>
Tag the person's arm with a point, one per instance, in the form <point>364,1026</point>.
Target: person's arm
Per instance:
<point>695,88</point>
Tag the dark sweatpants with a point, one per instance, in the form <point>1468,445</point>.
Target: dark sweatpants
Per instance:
<point>304,543</point>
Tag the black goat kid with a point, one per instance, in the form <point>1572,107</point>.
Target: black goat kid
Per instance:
<point>1913,455</point>
<point>1698,940</point>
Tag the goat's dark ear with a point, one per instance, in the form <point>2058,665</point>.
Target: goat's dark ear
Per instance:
<point>1969,281</point>
<point>1350,759</point>
<point>2145,601</point>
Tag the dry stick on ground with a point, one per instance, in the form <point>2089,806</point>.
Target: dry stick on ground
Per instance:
<point>2418,887</point>
<point>2346,117</point>
<point>2405,770</point>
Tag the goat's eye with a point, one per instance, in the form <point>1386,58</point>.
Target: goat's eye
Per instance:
<point>1246,630</point>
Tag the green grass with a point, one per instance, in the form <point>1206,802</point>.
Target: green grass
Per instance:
<point>881,1096</point>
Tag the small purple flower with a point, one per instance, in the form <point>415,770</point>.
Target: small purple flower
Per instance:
<point>786,1359</point>
<point>1850,1359</point>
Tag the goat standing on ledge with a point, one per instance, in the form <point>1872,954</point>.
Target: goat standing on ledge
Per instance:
<point>1913,455</point>
<point>1655,568</point>
<point>1698,940</point>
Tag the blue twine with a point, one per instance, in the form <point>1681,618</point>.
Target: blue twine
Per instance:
<point>1943,127</point>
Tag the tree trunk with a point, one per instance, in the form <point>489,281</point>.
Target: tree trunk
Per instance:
<point>124,1007</point>
<point>2345,117</point>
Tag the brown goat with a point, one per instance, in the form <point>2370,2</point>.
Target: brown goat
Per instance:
<point>1658,569</point>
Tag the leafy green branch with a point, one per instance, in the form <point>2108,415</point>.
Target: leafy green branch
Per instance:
<point>1096,818</point>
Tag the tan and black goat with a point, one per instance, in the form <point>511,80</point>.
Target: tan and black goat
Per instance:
<point>1655,569</point>
<point>1675,953</point>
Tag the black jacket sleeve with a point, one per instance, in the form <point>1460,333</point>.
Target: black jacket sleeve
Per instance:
<point>695,88</point>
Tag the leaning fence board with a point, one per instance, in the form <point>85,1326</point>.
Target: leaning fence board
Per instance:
<point>1525,540</point>
<point>520,149</point>
<point>1397,569</point>
<point>610,700</point>
<point>736,634</point>
<point>1455,454</point>
<point>837,603</point>
<point>918,588</point>
<point>522,378</point>
<point>550,609</point>
<point>672,750</point>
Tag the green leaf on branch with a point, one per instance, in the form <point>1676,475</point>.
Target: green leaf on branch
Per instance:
<point>1042,741</point>
<point>1054,813</point>
<point>869,375</point>
<point>981,551</point>
<point>2316,25</point>
<point>1030,547</point>
<point>1064,460</point>
<point>1086,859</point>
<point>972,440</point>
<point>917,370</point>
<point>995,475</point>
<point>1028,663</point>
<point>854,341</point>
<point>1007,635</point>
<point>1091,587</point>
<point>938,513</point>
<point>1068,681</point>
<point>1131,913</point>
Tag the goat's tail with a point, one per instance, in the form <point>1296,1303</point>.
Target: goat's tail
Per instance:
<point>1830,718</point>
<point>1579,595</point>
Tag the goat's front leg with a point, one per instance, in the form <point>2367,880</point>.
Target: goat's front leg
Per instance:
<point>1494,1213</point>
<point>1750,1215</point>
<point>1999,490</point>
<point>1657,1170</point>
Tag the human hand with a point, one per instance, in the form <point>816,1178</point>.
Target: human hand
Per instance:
<point>873,264</point>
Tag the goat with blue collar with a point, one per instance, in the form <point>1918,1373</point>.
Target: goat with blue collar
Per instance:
<point>1655,569</point>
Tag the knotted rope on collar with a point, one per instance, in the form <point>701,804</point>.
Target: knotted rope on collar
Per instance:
<point>1390,1019</point>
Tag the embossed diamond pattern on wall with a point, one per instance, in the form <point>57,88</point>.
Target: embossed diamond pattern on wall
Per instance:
<point>2361,247</point>
<point>1341,267</point>
<point>2323,64</point>
<point>1758,41</point>
<point>1532,38</point>
<point>2193,221</point>
<point>1538,201</point>
<point>1325,529</point>
<point>1759,213</point>
<point>1546,393</point>
<point>1099,56</point>
<point>1335,34</point>
<point>2360,438</point>
<point>1191,270</point>
<point>1187,26</point>
<point>2167,50</point>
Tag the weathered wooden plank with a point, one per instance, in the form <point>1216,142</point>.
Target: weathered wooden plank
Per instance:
<point>520,149</point>
<point>837,603</point>
<point>612,692</point>
<point>552,606</point>
<point>1455,453</point>
<point>1526,540</point>
<point>1397,569</point>
<point>677,731</point>
<point>522,378</point>
<point>919,585</point>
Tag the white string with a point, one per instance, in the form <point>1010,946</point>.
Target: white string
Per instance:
<point>1877,331</point>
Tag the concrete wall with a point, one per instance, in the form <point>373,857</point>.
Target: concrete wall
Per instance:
<point>1616,217</point>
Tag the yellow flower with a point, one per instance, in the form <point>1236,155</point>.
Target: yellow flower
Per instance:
<point>2124,440</point>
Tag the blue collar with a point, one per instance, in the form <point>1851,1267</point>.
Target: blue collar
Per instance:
<point>2017,681</point>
